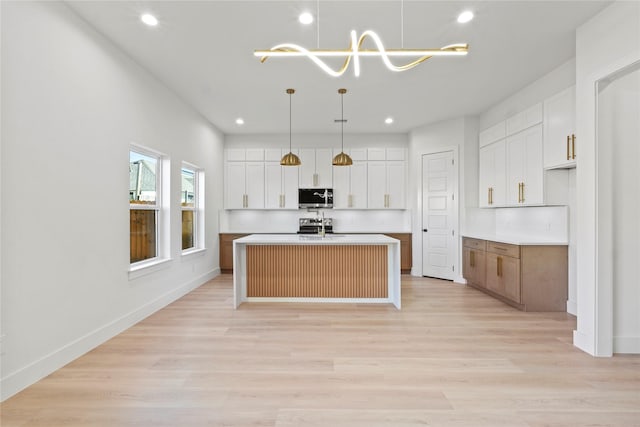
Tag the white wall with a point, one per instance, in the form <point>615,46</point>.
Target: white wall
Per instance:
<point>345,221</point>
<point>618,135</point>
<point>72,103</point>
<point>605,44</point>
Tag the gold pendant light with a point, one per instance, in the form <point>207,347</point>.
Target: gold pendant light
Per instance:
<point>290,159</point>
<point>342,159</point>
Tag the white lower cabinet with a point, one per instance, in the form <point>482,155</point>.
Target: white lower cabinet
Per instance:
<point>525,173</point>
<point>244,187</point>
<point>492,175</point>
<point>281,186</point>
<point>386,182</point>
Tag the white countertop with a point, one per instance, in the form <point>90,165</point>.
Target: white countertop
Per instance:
<point>517,240</point>
<point>314,239</point>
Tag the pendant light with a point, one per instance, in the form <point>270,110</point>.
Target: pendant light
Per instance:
<point>343,158</point>
<point>290,159</point>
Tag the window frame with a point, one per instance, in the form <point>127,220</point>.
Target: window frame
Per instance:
<point>197,208</point>
<point>161,215</point>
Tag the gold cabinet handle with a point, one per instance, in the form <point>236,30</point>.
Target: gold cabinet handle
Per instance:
<point>472,259</point>
<point>315,179</point>
<point>568,151</point>
<point>244,201</point>
<point>573,146</point>
<point>519,192</point>
<point>522,191</point>
<point>499,267</point>
<point>489,195</point>
<point>350,202</point>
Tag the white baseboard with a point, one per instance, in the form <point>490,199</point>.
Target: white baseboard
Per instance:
<point>461,280</point>
<point>572,307</point>
<point>32,373</point>
<point>626,345</point>
<point>584,342</point>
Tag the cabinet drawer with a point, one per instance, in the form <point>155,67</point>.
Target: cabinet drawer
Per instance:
<point>504,249</point>
<point>478,244</point>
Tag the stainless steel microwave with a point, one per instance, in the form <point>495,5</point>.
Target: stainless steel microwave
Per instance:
<point>315,198</point>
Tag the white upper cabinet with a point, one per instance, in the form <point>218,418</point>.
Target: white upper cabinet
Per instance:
<point>316,169</point>
<point>525,174</point>
<point>386,185</point>
<point>559,130</point>
<point>350,182</point>
<point>244,186</point>
<point>493,134</point>
<point>524,119</point>
<point>281,185</point>
<point>492,177</point>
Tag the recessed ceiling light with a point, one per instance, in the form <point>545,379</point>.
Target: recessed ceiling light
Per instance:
<point>305,18</point>
<point>239,121</point>
<point>465,17</point>
<point>149,19</point>
<point>388,120</point>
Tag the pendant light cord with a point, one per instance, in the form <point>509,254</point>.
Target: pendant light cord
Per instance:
<point>401,24</point>
<point>342,120</point>
<point>290,123</point>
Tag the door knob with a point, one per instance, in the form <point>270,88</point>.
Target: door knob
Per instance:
<point>425,230</point>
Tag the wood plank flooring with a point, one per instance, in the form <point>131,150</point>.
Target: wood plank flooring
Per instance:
<point>451,357</point>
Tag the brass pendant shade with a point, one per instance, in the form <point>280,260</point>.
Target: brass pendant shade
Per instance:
<point>290,159</point>
<point>342,159</point>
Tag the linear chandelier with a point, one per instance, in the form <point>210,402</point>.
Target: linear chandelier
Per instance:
<point>355,51</point>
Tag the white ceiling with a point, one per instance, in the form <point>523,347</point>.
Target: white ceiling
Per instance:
<point>203,50</point>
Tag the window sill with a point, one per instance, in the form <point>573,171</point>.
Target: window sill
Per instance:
<point>145,268</point>
<point>192,253</point>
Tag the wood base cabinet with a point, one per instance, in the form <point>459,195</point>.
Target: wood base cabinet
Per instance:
<point>530,278</point>
<point>474,261</point>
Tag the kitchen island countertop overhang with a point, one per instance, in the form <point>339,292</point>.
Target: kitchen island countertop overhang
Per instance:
<point>352,268</point>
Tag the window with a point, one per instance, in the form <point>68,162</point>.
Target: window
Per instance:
<point>144,205</point>
<point>191,205</point>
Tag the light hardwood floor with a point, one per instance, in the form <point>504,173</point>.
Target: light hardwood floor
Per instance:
<point>451,357</point>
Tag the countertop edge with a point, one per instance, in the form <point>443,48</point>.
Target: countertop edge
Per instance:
<point>520,241</point>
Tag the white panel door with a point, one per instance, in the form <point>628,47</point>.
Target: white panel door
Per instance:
<point>439,215</point>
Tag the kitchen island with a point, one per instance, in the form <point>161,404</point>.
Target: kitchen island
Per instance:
<point>353,268</point>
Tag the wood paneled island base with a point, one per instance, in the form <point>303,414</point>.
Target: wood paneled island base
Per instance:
<point>313,271</point>
<point>336,268</point>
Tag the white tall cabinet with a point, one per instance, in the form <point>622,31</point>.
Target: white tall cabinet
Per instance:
<point>525,173</point>
<point>386,178</point>
<point>492,175</point>
<point>244,185</point>
<point>559,130</point>
<point>316,168</point>
<point>350,182</point>
<point>511,169</point>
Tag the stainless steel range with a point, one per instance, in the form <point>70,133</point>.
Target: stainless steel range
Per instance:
<point>314,225</point>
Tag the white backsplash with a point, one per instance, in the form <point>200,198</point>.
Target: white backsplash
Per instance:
<point>540,222</point>
<point>286,221</point>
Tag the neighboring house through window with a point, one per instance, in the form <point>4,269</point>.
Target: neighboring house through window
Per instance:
<point>145,190</point>
<point>191,205</point>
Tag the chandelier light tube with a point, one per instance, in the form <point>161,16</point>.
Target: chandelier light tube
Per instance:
<point>355,51</point>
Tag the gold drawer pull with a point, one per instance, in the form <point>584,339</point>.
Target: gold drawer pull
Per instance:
<point>568,151</point>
